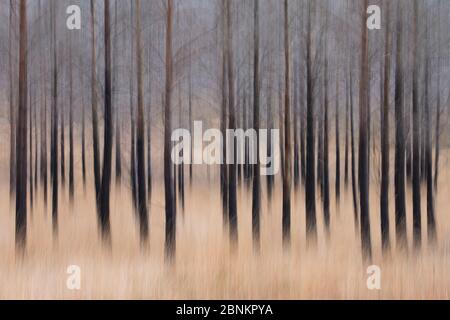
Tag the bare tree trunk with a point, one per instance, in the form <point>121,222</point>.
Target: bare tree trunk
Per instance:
<point>431,221</point>
<point>400,206</point>
<point>384,127</point>
<point>325,151</point>
<point>83,134</point>
<point>54,127</point>
<point>363,141</point>
<point>133,178</point>
<point>142,193</point>
<point>232,206</point>
<point>12,113</point>
<point>416,132</point>
<point>223,120</point>
<point>21,142</point>
<point>95,138</point>
<point>287,136</point>
<point>30,131</point>
<point>118,122</point>
<point>63,147</point>
<point>353,157</point>
<point>310,190</point>
<point>296,140</point>
<point>338,147</point>
<point>256,196</point>
<point>170,232</point>
<point>71,152</point>
<point>108,136</point>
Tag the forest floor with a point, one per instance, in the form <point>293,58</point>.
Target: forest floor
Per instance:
<point>205,268</point>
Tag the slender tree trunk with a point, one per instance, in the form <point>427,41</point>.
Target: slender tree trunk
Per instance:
<point>71,152</point>
<point>353,156</point>
<point>12,113</point>
<point>431,221</point>
<point>325,151</point>
<point>287,135</point>
<point>95,138</point>
<point>170,232</point>
<point>310,190</point>
<point>142,193</point>
<point>21,142</point>
<point>118,122</point>
<point>384,134</point>
<point>363,141</point>
<point>133,178</point>
<point>416,132</point>
<point>83,135</point>
<point>54,127</point>
<point>399,183</point>
<point>108,135</point>
<point>256,200</point>
<point>223,120</point>
<point>338,147</point>
<point>63,147</point>
<point>232,206</point>
<point>30,131</point>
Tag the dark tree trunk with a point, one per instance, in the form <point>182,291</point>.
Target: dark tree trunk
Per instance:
<point>338,147</point>
<point>21,142</point>
<point>140,152</point>
<point>63,148</point>
<point>256,199</point>
<point>286,222</point>
<point>232,206</point>
<point>12,100</point>
<point>325,151</point>
<point>170,232</point>
<point>30,131</point>
<point>399,183</point>
<point>310,189</point>
<point>363,141</point>
<point>54,125</point>
<point>431,221</point>
<point>133,178</point>
<point>95,138</point>
<point>71,152</point>
<point>384,127</point>
<point>118,122</point>
<point>416,136</point>
<point>353,157</point>
<point>108,135</point>
<point>296,142</point>
<point>223,122</point>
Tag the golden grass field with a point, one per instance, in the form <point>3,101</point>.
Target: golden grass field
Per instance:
<point>204,268</point>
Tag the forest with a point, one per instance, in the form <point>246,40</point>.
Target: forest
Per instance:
<point>338,161</point>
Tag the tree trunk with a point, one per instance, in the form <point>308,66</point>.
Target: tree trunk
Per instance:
<point>108,135</point>
<point>170,232</point>
<point>71,152</point>
<point>140,152</point>
<point>399,183</point>
<point>384,127</point>
<point>232,206</point>
<point>363,141</point>
<point>21,142</point>
<point>416,136</point>
<point>287,135</point>
<point>310,190</point>
<point>12,113</point>
<point>54,127</point>
<point>95,138</point>
<point>256,196</point>
<point>338,147</point>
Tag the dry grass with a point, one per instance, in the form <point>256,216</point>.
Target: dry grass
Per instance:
<point>204,268</point>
